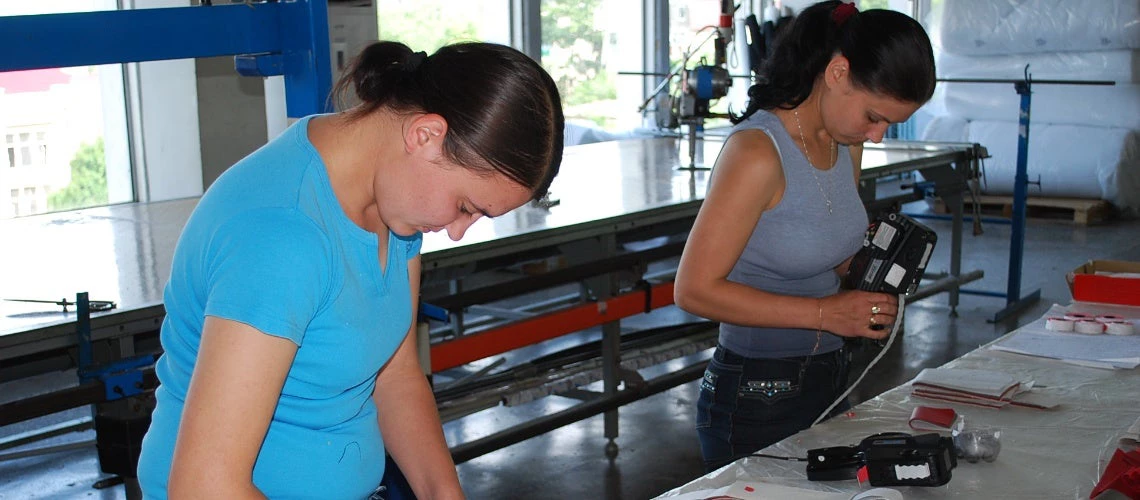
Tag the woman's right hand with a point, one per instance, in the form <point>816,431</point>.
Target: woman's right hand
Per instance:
<point>855,313</point>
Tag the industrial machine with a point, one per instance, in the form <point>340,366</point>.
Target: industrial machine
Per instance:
<point>688,104</point>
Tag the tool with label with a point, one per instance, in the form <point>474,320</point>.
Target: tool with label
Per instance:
<point>889,459</point>
<point>894,256</point>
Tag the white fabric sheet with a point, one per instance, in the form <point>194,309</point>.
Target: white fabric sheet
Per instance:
<point>1070,160</point>
<point>988,27</point>
<point>1121,66</point>
<point>1101,106</point>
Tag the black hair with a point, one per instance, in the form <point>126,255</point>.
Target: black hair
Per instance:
<point>502,109</point>
<point>889,54</point>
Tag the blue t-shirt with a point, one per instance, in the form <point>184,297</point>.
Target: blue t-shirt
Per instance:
<point>269,246</point>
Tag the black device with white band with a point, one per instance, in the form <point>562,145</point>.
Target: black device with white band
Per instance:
<point>895,251</point>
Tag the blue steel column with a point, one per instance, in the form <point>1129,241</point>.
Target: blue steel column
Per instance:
<point>83,333</point>
<point>1020,195</point>
<point>1013,299</point>
<point>308,73</point>
<point>290,38</point>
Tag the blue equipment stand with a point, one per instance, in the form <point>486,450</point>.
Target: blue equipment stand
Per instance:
<point>1014,301</point>
<point>267,38</point>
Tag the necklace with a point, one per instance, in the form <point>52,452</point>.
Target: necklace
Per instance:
<point>826,197</point>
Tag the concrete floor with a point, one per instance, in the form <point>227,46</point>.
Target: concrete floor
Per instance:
<point>657,444</point>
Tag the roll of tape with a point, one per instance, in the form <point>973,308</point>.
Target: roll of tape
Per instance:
<point>1078,316</point>
<point>1056,324</point>
<point>1088,327</point>
<point>1104,318</point>
<point>1119,328</point>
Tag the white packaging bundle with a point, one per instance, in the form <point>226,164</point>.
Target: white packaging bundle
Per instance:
<point>1070,160</point>
<point>1121,66</point>
<point>946,129</point>
<point>989,27</point>
<point>1102,106</point>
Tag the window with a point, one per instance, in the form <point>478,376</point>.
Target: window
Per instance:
<point>10,145</point>
<point>56,121</point>
<point>430,24</point>
<point>30,198</point>
<point>25,151</point>
<point>41,144</point>
<point>585,44</point>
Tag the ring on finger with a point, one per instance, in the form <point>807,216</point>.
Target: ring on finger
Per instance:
<point>875,309</point>
<point>873,323</point>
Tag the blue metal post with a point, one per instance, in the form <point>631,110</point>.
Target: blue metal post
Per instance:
<point>294,36</point>
<point>1020,195</point>
<point>1014,301</point>
<point>308,71</point>
<point>83,332</point>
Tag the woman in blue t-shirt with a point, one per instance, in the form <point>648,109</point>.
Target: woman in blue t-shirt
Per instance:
<point>290,365</point>
<point>783,217</point>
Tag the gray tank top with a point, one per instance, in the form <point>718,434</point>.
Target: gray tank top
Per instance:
<point>796,245</point>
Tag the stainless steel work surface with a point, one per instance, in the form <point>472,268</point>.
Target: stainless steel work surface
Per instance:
<point>122,253</point>
<point>601,188</point>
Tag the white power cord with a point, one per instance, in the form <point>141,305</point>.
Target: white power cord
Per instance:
<point>890,340</point>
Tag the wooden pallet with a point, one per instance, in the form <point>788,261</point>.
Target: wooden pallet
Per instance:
<point>1083,211</point>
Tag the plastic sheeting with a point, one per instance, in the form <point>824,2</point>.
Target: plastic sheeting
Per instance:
<point>989,27</point>
<point>1056,453</point>
<point>1069,160</point>
<point>1121,66</point>
<point>947,129</point>
<point>1103,106</point>
<point>1080,135</point>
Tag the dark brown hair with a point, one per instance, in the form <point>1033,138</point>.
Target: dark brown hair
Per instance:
<point>889,53</point>
<point>502,109</point>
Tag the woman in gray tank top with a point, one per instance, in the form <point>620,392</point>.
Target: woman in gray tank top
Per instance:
<point>783,217</point>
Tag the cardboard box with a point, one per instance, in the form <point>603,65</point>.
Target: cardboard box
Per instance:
<point>1087,286</point>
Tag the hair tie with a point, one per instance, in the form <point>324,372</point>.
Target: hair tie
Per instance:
<point>842,12</point>
<point>414,60</point>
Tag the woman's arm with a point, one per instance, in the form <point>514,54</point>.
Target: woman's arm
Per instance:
<point>746,181</point>
<point>233,392</point>
<point>409,420</point>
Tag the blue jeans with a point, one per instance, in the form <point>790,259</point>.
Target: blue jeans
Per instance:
<point>394,486</point>
<point>746,404</point>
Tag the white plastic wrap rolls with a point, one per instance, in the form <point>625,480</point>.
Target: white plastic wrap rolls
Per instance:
<point>1121,66</point>
<point>987,27</point>
<point>1086,324</point>
<point>1103,106</point>
<point>1072,161</point>
<point>1128,176</point>
<point>946,128</point>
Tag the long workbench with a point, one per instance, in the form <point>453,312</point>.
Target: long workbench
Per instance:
<point>1055,453</point>
<point>122,253</point>
<point>616,207</point>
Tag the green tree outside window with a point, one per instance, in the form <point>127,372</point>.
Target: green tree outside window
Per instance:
<point>88,185</point>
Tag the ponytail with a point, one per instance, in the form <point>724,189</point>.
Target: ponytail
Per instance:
<point>502,109</point>
<point>889,53</point>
